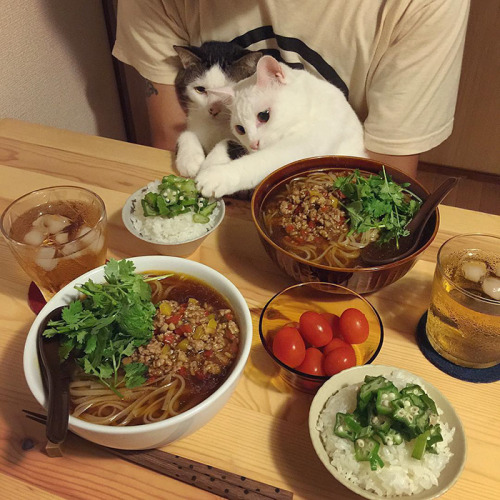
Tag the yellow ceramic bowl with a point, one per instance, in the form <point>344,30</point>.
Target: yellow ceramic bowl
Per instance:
<point>287,307</point>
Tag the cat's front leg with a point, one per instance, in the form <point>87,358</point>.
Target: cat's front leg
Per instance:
<point>190,154</point>
<point>218,156</point>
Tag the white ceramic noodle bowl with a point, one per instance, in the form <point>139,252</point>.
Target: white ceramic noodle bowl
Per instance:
<point>159,433</point>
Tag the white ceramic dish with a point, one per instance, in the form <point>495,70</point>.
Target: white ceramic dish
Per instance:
<point>159,433</point>
<point>183,249</point>
<point>356,375</point>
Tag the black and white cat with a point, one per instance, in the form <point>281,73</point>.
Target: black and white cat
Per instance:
<point>209,66</point>
<point>280,115</point>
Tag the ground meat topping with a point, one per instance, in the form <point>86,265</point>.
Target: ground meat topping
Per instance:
<point>190,339</point>
<point>310,213</point>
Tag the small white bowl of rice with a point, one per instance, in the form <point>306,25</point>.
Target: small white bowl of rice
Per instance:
<point>402,476</point>
<point>178,236</point>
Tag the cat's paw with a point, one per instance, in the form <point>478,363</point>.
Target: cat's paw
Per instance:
<point>190,155</point>
<point>217,181</point>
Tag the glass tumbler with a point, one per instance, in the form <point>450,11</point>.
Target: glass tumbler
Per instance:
<point>56,234</point>
<point>463,321</point>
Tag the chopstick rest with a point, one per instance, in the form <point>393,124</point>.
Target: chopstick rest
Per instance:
<point>217,481</point>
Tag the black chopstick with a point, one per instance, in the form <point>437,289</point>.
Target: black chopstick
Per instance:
<point>217,481</point>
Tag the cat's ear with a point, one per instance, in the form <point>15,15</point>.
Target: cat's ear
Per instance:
<point>249,60</point>
<point>223,94</point>
<point>187,56</point>
<point>269,70</point>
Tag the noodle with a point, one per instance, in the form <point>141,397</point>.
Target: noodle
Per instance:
<point>194,343</point>
<point>150,402</point>
<point>304,217</point>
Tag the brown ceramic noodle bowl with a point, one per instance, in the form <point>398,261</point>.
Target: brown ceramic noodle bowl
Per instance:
<point>359,279</point>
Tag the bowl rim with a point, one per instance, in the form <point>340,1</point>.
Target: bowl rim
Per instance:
<point>325,158</point>
<point>338,382</point>
<point>127,209</point>
<point>68,293</point>
<point>345,291</point>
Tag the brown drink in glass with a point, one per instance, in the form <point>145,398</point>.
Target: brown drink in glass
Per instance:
<point>56,234</point>
<point>463,322</point>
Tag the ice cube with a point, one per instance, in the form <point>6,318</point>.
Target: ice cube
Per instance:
<point>46,258</point>
<point>491,287</point>
<point>70,248</point>
<point>61,238</point>
<point>474,270</point>
<point>52,223</point>
<point>34,237</point>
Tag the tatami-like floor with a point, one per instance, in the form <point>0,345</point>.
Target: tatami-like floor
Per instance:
<point>475,191</point>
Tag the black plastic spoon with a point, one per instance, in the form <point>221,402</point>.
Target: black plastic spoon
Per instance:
<point>56,377</point>
<point>375,254</point>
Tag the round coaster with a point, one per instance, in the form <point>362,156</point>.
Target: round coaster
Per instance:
<point>477,375</point>
<point>36,300</point>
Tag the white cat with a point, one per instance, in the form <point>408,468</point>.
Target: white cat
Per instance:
<point>280,115</point>
<point>212,65</point>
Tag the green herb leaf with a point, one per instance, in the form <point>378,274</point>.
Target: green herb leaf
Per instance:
<point>376,202</point>
<point>112,320</point>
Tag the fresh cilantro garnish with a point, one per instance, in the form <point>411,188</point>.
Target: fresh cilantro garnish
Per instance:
<point>377,202</point>
<point>112,320</point>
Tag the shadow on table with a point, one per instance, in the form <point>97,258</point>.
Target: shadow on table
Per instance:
<point>294,455</point>
<point>402,304</point>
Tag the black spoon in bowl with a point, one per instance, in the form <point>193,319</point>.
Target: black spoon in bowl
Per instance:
<point>56,377</point>
<point>376,254</point>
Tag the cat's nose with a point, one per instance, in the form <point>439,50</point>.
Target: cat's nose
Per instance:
<point>254,145</point>
<point>215,109</point>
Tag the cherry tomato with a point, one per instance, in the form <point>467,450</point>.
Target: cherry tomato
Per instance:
<point>289,346</point>
<point>313,362</point>
<point>339,359</point>
<point>335,343</point>
<point>315,329</point>
<point>333,321</point>
<point>354,326</point>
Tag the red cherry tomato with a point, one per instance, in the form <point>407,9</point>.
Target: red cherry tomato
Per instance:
<point>339,359</point>
<point>333,321</point>
<point>315,329</point>
<point>335,343</point>
<point>289,347</point>
<point>354,326</point>
<point>313,362</point>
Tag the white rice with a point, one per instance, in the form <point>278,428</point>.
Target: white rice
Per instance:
<point>401,474</point>
<point>178,229</point>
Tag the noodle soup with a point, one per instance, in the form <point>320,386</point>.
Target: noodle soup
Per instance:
<point>327,217</point>
<point>191,353</point>
<point>305,217</point>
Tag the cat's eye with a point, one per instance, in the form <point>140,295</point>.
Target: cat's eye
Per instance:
<point>263,116</point>
<point>240,129</point>
<point>200,90</point>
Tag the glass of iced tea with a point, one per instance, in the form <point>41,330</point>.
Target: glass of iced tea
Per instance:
<point>463,321</point>
<point>56,234</point>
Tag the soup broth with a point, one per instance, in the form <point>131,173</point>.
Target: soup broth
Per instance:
<point>193,347</point>
<point>305,217</point>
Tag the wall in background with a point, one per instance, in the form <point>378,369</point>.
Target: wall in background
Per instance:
<point>56,67</point>
<point>474,143</point>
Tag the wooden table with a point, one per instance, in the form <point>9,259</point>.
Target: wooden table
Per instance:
<point>262,432</point>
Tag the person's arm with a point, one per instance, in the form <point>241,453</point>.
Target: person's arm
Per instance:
<point>408,163</point>
<point>166,116</point>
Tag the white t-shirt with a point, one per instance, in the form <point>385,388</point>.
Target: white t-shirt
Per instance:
<point>398,61</point>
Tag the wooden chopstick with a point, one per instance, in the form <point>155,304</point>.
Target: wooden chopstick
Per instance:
<point>217,481</point>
